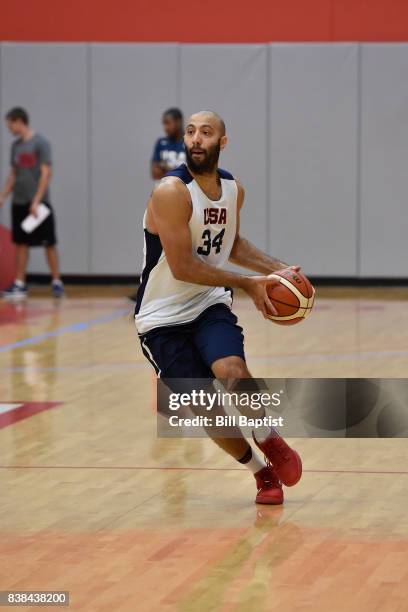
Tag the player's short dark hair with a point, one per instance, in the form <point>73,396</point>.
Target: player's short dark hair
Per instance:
<point>18,114</point>
<point>174,112</point>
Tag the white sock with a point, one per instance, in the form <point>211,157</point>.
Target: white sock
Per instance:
<point>261,433</point>
<point>252,461</point>
<point>19,282</point>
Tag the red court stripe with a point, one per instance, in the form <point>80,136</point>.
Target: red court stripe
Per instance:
<point>187,469</point>
<point>25,411</point>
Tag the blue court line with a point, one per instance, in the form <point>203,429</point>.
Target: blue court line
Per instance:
<point>74,327</point>
<point>84,366</point>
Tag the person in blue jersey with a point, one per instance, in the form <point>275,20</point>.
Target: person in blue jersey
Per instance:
<point>183,314</point>
<point>169,150</point>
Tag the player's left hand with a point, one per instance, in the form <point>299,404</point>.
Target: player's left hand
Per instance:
<point>294,268</point>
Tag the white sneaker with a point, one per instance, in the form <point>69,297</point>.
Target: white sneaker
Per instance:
<point>16,291</point>
<point>57,288</point>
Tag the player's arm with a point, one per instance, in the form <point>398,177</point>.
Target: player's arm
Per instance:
<point>158,168</point>
<point>45,159</point>
<point>247,255</point>
<point>171,211</point>
<point>45,177</point>
<point>8,186</point>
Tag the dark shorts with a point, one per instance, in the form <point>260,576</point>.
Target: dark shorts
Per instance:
<point>187,351</point>
<point>43,236</point>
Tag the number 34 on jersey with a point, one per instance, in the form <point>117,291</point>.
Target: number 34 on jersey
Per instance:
<point>213,216</point>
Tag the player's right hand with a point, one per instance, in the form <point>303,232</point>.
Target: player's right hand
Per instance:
<point>255,287</point>
<point>34,208</point>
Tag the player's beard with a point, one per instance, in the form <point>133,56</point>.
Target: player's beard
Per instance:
<point>207,163</point>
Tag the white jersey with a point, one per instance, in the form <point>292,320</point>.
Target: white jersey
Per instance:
<point>162,300</point>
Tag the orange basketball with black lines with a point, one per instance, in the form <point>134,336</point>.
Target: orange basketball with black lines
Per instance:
<point>293,297</point>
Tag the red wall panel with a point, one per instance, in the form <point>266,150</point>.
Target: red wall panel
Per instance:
<point>370,20</point>
<point>205,21</point>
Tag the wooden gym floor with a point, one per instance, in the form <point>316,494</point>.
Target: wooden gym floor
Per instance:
<point>92,502</point>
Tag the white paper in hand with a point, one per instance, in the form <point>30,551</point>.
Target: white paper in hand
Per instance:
<point>31,223</point>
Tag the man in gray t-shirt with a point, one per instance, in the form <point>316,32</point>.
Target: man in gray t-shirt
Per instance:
<point>28,182</point>
<point>27,157</point>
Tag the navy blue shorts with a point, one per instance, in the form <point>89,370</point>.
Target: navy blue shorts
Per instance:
<point>188,350</point>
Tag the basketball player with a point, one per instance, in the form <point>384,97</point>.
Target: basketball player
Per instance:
<point>183,308</point>
<point>169,151</point>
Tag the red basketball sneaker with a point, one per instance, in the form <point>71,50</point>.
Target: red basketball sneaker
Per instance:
<point>286,461</point>
<point>269,487</point>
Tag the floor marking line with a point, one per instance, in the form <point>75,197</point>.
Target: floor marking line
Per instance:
<point>74,327</point>
<point>330,356</point>
<point>72,368</point>
<point>269,358</point>
<point>24,411</point>
<point>187,469</point>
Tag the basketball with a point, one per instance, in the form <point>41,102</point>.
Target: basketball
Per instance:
<point>293,298</point>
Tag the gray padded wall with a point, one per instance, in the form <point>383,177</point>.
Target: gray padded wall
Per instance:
<point>50,80</point>
<point>131,85</point>
<point>295,128</point>
<point>313,145</point>
<point>231,79</point>
<point>384,160</point>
